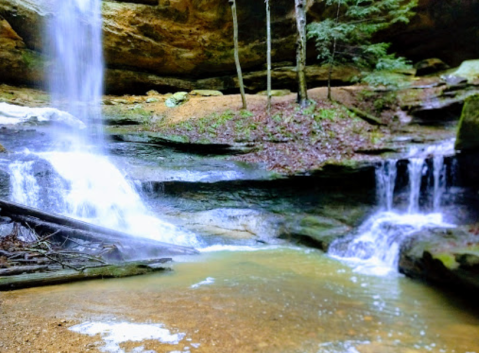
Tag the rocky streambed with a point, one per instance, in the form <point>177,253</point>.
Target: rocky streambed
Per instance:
<point>242,178</point>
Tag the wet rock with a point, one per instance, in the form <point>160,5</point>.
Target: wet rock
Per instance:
<point>436,100</point>
<point>314,230</point>
<point>443,255</point>
<point>430,66</point>
<point>234,223</point>
<point>182,143</point>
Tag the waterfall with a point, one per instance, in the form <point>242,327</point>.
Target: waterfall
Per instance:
<point>374,247</point>
<point>74,178</point>
<point>439,182</point>
<point>76,73</point>
<point>386,181</point>
<point>415,169</point>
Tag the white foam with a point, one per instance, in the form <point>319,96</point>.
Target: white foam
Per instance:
<point>208,280</point>
<point>113,334</point>
<point>97,193</point>
<point>375,250</point>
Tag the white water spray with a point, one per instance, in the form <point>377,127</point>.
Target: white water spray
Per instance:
<point>75,179</point>
<point>76,74</point>
<point>374,247</point>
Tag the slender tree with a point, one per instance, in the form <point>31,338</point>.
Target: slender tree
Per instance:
<point>348,37</point>
<point>301,52</point>
<point>236,51</point>
<point>268,55</point>
<point>331,61</point>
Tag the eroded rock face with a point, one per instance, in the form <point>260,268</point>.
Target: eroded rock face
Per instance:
<point>180,43</point>
<point>15,59</point>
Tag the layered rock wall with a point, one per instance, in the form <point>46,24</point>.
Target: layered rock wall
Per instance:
<point>183,44</point>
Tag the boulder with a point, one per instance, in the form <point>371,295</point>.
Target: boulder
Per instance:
<point>317,231</point>
<point>468,129</point>
<point>443,255</point>
<point>430,66</point>
<point>176,99</point>
<point>205,93</point>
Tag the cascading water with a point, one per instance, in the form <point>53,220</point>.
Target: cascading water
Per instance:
<point>73,178</point>
<point>76,74</point>
<point>374,247</point>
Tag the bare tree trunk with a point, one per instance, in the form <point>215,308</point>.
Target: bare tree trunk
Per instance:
<point>268,54</point>
<point>331,60</point>
<point>236,51</point>
<point>301,52</point>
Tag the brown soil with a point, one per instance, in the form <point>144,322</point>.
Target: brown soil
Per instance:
<point>199,107</point>
<point>289,140</point>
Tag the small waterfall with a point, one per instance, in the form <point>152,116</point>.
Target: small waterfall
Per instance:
<point>386,181</point>
<point>439,182</point>
<point>415,170</point>
<point>23,179</point>
<point>88,187</point>
<point>374,247</point>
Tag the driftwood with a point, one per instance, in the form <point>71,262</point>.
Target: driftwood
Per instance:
<point>127,269</point>
<point>71,229</point>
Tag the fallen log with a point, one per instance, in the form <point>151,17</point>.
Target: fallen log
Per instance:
<point>69,228</point>
<point>18,270</point>
<point>127,269</point>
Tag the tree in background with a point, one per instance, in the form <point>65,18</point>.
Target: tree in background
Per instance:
<point>268,55</point>
<point>236,52</point>
<point>301,52</point>
<point>348,37</point>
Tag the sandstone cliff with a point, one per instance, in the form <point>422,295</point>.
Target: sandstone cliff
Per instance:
<point>186,44</point>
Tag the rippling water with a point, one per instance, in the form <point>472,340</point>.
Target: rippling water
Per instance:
<point>275,300</point>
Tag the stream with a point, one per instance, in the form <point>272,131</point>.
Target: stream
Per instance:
<point>246,300</point>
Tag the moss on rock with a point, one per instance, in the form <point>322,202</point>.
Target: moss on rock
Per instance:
<point>468,129</point>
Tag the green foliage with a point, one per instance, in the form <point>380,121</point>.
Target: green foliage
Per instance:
<point>348,36</point>
<point>329,114</point>
<point>246,114</point>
